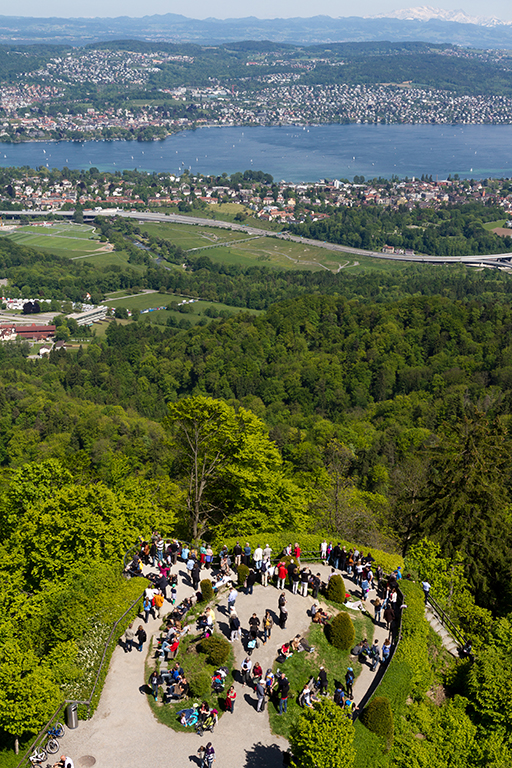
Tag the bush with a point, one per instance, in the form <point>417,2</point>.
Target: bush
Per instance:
<point>242,572</point>
<point>323,736</point>
<point>378,718</point>
<point>336,590</point>
<point>200,683</point>
<point>207,593</point>
<point>340,632</point>
<point>217,650</point>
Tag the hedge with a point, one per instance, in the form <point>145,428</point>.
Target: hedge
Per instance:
<point>242,573</point>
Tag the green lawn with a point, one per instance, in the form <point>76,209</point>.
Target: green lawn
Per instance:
<point>142,301</point>
<point>494,224</point>
<point>65,239</point>
<point>236,248</point>
<point>302,666</point>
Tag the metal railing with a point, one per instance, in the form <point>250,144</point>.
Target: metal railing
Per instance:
<point>445,620</point>
<point>86,702</point>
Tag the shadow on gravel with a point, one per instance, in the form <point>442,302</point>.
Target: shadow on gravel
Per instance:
<point>262,756</point>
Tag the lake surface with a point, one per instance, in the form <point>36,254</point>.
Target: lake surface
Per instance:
<point>292,152</point>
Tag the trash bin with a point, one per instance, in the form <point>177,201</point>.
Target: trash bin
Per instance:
<point>72,715</point>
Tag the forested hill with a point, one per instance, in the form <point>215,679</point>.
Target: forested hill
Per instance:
<point>388,381</point>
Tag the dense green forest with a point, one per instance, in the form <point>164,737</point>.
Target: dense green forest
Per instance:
<point>456,230</point>
<point>374,408</point>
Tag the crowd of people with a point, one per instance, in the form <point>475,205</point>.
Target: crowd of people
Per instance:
<point>285,572</point>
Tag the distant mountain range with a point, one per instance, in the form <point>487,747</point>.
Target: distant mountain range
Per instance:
<point>423,23</point>
<point>426,13</point>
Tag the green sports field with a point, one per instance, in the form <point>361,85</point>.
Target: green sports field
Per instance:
<point>63,239</point>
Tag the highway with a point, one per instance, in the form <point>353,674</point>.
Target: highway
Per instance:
<point>497,260</point>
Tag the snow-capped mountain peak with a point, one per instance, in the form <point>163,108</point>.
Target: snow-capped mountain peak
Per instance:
<point>426,12</point>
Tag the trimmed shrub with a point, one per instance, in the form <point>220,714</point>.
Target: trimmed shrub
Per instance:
<point>242,572</point>
<point>217,650</point>
<point>340,632</point>
<point>200,683</point>
<point>207,593</point>
<point>336,590</point>
<point>378,718</point>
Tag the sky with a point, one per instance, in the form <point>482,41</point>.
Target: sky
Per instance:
<point>268,9</point>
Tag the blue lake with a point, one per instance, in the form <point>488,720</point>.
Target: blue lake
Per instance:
<point>293,153</point>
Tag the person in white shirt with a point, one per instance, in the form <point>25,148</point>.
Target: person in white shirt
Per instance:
<point>233,594</point>
<point>267,552</point>
<point>258,557</point>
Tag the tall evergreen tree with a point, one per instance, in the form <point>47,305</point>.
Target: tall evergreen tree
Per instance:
<point>467,505</point>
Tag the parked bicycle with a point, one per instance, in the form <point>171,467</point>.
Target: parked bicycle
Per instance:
<point>54,733</point>
<point>38,756</point>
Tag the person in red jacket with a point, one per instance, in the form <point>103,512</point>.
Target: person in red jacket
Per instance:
<point>282,573</point>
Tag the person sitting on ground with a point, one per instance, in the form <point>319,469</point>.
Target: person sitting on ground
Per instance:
<point>179,690</point>
<point>286,650</point>
<point>64,762</point>
<point>305,697</point>
<point>320,617</point>
<point>295,644</point>
<point>204,711</point>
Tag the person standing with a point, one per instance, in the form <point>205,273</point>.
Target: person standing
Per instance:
<point>129,635</point>
<point>304,581</point>
<point>195,575</point>
<point>283,686</point>
<point>246,557</point>
<point>258,557</point>
<point>158,602</point>
<point>245,670</point>
<point>234,625</point>
<point>316,582</point>
<point>374,655</point>
<point>267,552</point>
<point>323,551</point>
<point>283,612</point>
<point>389,616</point>
<point>386,650</point>
<point>232,596</point>
<point>147,608</point>
<point>282,573</point>
<point>268,623</point>
<point>260,696</point>
<point>141,637</point>
<point>295,578</point>
<point>230,699</point>
<point>264,572</point>
<point>237,553</point>
<point>208,755</point>
<point>322,680</point>
<point>426,590</point>
<point>349,682</point>
<point>254,624</point>
<point>377,607</point>
<point>251,580</point>
<point>155,681</point>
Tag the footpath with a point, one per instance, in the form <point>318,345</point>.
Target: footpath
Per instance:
<point>123,733</point>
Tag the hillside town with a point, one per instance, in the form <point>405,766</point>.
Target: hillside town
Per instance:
<point>283,202</point>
